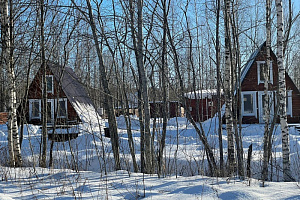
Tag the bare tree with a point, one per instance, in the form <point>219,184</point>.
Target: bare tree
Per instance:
<point>228,88</point>
<point>108,102</point>
<point>15,159</point>
<point>137,38</point>
<point>266,92</point>
<point>287,176</point>
<point>219,103</point>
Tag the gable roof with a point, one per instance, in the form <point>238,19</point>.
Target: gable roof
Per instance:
<point>75,92</point>
<point>250,61</point>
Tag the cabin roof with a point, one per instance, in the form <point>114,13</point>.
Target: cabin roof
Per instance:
<point>75,92</point>
<point>250,61</point>
<point>201,94</point>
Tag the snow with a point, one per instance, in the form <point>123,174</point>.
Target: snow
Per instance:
<point>79,167</point>
<point>202,94</point>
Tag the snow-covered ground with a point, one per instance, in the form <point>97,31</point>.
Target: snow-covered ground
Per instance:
<point>84,167</point>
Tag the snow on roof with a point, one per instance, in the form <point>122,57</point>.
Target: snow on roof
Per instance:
<point>201,94</point>
<point>75,93</point>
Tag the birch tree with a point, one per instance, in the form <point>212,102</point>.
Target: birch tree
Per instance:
<point>282,96</point>
<point>15,159</point>
<point>228,88</point>
<point>266,99</point>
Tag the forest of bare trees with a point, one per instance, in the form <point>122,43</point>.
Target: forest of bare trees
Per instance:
<point>152,50</point>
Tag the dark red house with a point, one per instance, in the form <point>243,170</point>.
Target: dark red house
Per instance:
<point>202,104</point>
<point>67,99</point>
<point>253,89</point>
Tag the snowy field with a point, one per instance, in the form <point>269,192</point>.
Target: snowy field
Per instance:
<point>83,168</point>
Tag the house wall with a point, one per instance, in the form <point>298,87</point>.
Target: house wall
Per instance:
<point>202,109</point>
<point>35,92</point>
<point>250,83</point>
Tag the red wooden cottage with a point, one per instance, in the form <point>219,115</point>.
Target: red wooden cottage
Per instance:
<point>202,104</point>
<point>253,89</point>
<point>67,99</point>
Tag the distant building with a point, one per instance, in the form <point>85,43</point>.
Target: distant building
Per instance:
<point>202,104</point>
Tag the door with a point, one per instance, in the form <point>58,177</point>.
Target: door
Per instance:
<point>261,112</point>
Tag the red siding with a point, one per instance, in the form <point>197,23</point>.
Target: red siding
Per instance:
<point>35,92</point>
<point>202,109</point>
<point>250,83</point>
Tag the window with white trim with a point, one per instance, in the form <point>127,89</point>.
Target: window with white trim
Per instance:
<point>260,72</point>
<point>62,108</point>
<point>49,84</point>
<point>249,103</point>
<point>34,109</point>
<point>289,102</point>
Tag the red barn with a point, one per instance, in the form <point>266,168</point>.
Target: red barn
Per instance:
<point>253,89</point>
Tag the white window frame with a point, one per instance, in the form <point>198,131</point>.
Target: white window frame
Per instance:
<point>57,107</point>
<point>258,72</point>
<point>254,113</point>
<point>52,89</point>
<point>289,109</point>
<point>31,101</point>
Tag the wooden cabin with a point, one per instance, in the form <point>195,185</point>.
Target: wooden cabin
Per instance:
<point>202,104</point>
<point>68,103</point>
<point>174,109</point>
<point>253,89</point>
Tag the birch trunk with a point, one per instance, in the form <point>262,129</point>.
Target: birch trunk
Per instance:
<point>282,96</point>
<point>266,99</point>
<point>15,159</point>
<point>228,89</point>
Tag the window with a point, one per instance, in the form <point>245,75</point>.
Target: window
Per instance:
<point>249,103</point>
<point>289,102</point>
<point>34,109</point>
<point>260,72</point>
<point>62,108</point>
<point>49,84</point>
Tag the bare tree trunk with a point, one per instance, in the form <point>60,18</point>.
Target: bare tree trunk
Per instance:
<point>219,103</point>
<point>287,176</point>
<point>228,89</point>
<point>164,75</point>
<point>138,49</point>
<point>237,100</point>
<point>266,99</point>
<point>15,159</point>
<point>200,132</point>
<point>108,102</point>
<point>44,100</point>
